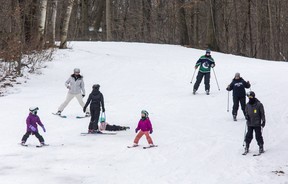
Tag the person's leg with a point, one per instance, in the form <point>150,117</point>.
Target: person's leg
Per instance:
<point>69,97</point>
<point>243,104</point>
<point>198,81</point>
<point>40,138</point>
<point>138,137</point>
<point>80,101</point>
<point>235,106</point>
<point>207,81</point>
<point>259,137</point>
<point>25,137</point>
<point>92,118</point>
<point>249,136</point>
<point>95,122</point>
<point>149,139</point>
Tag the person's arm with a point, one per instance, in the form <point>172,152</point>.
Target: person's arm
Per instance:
<point>246,84</point>
<point>262,113</point>
<point>41,124</point>
<point>83,87</point>
<point>67,83</point>
<point>87,103</point>
<point>230,86</point>
<point>198,63</point>
<point>102,103</point>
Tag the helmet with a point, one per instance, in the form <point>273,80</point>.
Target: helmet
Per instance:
<point>96,86</point>
<point>76,70</point>
<point>33,110</point>
<point>250,94</point>
<point>208,51</point>
<point>145,113</point>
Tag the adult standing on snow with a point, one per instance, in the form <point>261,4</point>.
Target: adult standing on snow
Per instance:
<point>96,99</point>
<point>75,85</point>
<point>238,86</point>
<point>255,117</point>
<point>205,62</point>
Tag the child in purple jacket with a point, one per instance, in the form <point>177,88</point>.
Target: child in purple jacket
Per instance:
<point>32,121</point>
<point>145,128</point>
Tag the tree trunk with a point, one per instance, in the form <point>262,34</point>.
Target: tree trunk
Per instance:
<point>271,44</point>
<point>66,20</point>
<point>108,21</point>
<point>42,21</point>
<point>53,21</point>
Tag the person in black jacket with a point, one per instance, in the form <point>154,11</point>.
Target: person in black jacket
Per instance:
<point>256,120</point>
<point>96,98</point>
<point>238,86</point>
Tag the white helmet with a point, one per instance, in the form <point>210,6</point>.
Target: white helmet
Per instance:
<point>33,110</point>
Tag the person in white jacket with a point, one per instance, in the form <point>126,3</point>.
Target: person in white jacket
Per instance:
<point>75,85</point>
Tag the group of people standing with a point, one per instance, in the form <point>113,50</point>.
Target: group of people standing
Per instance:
<point>76,89</point>
<point>253,110</point>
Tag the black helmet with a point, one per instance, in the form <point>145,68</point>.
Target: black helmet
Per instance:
<point>251,94</point>
<point>96,86</point>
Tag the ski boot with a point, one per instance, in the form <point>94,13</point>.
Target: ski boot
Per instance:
<point>207,92</point>
<point>194,91</point>
<point>58,113</point>
<point>261,149</point>
<point>246,150</point>
<point>234,117</point>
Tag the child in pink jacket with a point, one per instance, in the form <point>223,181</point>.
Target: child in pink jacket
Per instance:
<point>145,128</point>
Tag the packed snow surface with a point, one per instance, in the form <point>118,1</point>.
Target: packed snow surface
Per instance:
<point>199,143</point>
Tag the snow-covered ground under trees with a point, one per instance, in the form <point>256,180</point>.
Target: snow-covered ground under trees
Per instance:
<point>198,141</point>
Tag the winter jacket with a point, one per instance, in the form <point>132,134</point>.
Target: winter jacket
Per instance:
<point>238,86</point>
<point>144,125</point>
<point>255,114</point>
<point>32,121</point>
<point>75,84</point>
<point>96,98</point>
<point>205,63</point>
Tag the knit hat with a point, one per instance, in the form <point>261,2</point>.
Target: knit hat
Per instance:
<point>237,74</point>
<point>76,70</point>
<point>208,51</point>
<point>96,86</point>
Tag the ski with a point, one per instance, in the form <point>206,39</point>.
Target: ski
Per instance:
<point>133,146</point>
<point>62,116</point>
<point>25,145</point>
<point>152,146</point>
<point>258,154</point>
<point>245,153</point>
<point>43,145</point>
<point>80,117</point>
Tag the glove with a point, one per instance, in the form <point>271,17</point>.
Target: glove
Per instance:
<point>32,128</point>
<point>103,109</point>
<point>196,67</point>
<point>212,65</point>
<point>246,117</point>
<point>44,130</point>
<point>136,130</point>
<point>263,124</point>
<point>151,131</point>
<point>84,109</point>
<point>68,87</point>
<point>228,88</point>
<point>83,95</point>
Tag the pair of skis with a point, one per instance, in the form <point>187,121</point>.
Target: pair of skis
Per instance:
<point>144,147</point>
<point>63,116</point>
<point>254,155</point>
<point>37,146</point>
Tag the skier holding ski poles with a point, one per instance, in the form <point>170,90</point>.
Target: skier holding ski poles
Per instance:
<point>96,99</point>
<point>205,62</point>
<point>255,117</point>
<point>238,86</point>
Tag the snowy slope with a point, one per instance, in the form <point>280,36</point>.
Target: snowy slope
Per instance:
<point>198,141</point>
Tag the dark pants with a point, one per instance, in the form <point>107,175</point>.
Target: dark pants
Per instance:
<point>95,113</point>
<point>249,135</point>
<point>236,101</point>
<point>206,80</point>
<point>114,128</point>
<point>25,136</point>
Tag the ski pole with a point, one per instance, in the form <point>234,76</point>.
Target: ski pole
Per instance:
<point>216,79</point>
<point>244,135</point>
<point>228,102</point>
<point>193,76</point>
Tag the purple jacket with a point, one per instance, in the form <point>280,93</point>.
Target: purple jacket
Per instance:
<point>32,121</point>
<point>144,125</point>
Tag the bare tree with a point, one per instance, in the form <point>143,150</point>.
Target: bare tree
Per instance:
<point>108,21</point>
<point>42,21</point>
<point>66,20</point>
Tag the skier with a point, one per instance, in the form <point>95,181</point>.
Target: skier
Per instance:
<point>75,84</point>
<point>145,128</point>
<point>96,98</point>
<point>255,117</point>
<point>238,86</point>
<point>105,126</point>
<point>32,121</point>
<point>205,62</point>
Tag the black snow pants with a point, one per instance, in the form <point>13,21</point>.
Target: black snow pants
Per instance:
<point>95,113</point>
<point>236,101</point>
<point>28,133</point>
<point>114,128</point>
<point>206,81</point>
<point>249,135</point>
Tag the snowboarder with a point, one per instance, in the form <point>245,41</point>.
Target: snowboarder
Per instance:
<point>96,99</point>
<point>238,86</point>
<point>205,62</point>
<point>255,117</point>
<point>105,126</point>
<point>32,121</point>
<point>145,128</point>
<point>75,84</point>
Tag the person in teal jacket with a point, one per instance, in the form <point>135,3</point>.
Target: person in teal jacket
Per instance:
<point>205,63</point>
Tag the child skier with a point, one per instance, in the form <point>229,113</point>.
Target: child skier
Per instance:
<point>32,121</point>
<point>145,128</point>
<point>105,126</point>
